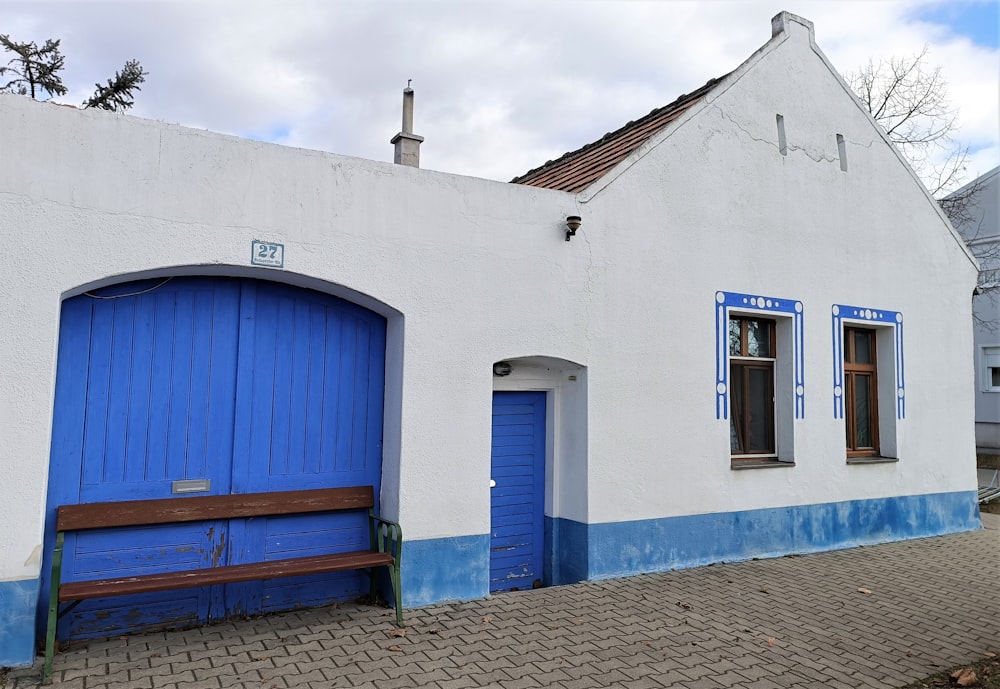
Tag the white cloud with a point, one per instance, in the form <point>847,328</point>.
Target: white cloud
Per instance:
<point>501,87</point>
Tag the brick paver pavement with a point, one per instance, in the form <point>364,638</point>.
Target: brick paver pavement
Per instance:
<point>797,621</point>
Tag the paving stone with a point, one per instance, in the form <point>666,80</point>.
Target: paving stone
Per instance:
<point>627,632</point>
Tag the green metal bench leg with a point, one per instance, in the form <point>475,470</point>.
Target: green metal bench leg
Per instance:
<point>50,632</point>
<point>396,592</point>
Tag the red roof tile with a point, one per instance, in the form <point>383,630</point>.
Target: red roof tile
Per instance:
<point>578,169</point>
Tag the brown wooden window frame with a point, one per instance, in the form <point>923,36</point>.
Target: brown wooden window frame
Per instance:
<point>741,365</point>
<point>853,370</point>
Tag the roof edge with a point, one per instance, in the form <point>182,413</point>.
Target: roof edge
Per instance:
<point>677,102</point>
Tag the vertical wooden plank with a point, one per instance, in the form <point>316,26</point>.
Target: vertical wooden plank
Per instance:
<point>116,429</point>
<point>196,459</point>
<point>180,375</point>
<point>347,363</point>
<point>70,410</point>
<point>298,358</point>
<point>376,405</point>
<point>281,391</point>
<point>359,400</point>
<point>244,433</point>
<point>313,431</point>
<point>98,381</point>
<point>222,384</point>
<point>141,370</point>
<point>331,392</point>
<point>248,469</point>
<point>160,386</point>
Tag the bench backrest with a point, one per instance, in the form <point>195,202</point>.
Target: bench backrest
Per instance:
<point>100,515</point>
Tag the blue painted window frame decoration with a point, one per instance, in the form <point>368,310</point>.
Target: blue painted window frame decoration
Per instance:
<point>724,301</point>
<point>861,314</point>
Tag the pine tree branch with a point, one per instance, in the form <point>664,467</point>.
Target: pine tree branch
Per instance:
<point>116,96</point>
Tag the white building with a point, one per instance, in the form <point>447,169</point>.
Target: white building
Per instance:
<point>186,306</point>
<point>981,229</point>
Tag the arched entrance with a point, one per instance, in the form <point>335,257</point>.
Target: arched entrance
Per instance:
<point>211,386</point>
<point>539,484</point>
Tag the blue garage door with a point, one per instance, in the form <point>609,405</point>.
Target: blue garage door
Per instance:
<point>518,491</point>
<point>243,385</point>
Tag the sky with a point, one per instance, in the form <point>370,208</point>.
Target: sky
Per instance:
<point>500,86</point>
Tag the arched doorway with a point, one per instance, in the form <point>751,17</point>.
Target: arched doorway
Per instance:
<point>539,484</point>
<point>211,386</point>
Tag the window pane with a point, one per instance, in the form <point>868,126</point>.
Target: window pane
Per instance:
<point>862,411</point>
<point>736,408</point>
<point>758,338</point>
<point>735,343</point>
<point>760,424</point>
<point>862,347</point>
<point>995,377</point>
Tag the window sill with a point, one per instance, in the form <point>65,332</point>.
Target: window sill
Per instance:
<point>758,464</point>
<point>872,460</point>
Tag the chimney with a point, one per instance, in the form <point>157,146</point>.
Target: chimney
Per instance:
<point>407,143</point>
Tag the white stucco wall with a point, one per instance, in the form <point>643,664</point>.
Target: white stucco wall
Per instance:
<point>715,206</point>
<point>470,272</point>
<point>101,198</point>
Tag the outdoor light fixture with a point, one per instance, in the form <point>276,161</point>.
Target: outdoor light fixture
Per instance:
<point>573,223</point>
<point>502,368</point>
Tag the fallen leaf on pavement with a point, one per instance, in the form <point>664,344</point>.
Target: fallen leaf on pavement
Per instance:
<point>395,648</point>
<point>865,591</point>
<point>964,677</point>
<point>763,590</point>
<point>396,633</point>
<point>770,641</point>
<point>991,654</point>
<point>684,605</point>
<point>487,618</point>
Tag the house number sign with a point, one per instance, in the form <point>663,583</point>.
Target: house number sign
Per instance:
<point>267,254</point>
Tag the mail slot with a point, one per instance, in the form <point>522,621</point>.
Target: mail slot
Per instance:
<point>191,485</point>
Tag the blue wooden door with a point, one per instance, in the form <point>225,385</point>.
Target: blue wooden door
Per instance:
<point>245,385</point>
<point>309,415</point>
<point>517,500</point>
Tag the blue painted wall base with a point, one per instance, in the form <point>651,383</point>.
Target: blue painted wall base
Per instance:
<point>17,622</point>
<point>621,549</point>
<point>447,569</point>
<point>567,561</point>
<point>443,569</point>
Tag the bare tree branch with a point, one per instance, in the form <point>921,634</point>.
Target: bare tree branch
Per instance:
<point>909,100</point>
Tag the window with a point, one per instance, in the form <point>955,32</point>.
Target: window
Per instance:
<point>861,392</point>
<point>991,369</point>
<point>869,389</point>
<point>752,348</point>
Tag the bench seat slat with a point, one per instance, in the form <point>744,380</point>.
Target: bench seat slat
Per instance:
<point>229,574</point>
<point>102,515</point>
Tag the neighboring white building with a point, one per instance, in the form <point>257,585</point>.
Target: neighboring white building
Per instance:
<point>981,229</point>
<point>758,276</point>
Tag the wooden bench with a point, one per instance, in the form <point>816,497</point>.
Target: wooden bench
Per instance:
<point>386,541</point>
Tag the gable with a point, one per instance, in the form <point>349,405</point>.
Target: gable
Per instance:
<point>788,78</point>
